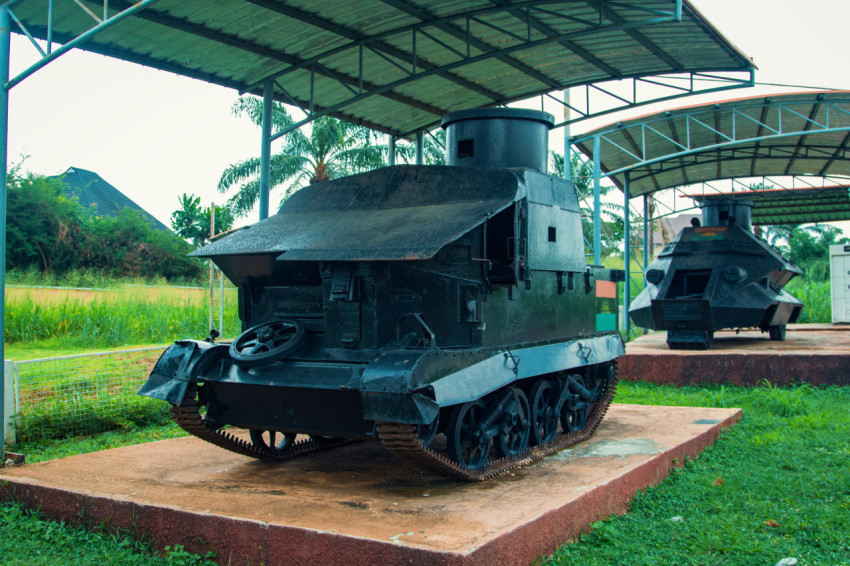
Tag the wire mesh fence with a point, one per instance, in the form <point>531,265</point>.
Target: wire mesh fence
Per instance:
<point>84,394</point>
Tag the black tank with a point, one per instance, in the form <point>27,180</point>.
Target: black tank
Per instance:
<point>717,274</point>
<point>446,311</point>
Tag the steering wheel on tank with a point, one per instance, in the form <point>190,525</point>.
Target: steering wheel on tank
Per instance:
<point>268,342</point>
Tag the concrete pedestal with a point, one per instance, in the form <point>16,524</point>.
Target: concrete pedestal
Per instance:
<point>818,354</point>
<point>360,504</point>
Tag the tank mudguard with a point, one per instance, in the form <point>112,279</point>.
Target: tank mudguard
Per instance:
<point>508,365</point>
<point>176,367</point>
<point>411,387</point>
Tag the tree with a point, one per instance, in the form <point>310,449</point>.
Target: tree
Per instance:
<point>192,222</point>
<point>55,234</point>
<point>808,247</point>
<point>43,227</point>
<point>332,149</point>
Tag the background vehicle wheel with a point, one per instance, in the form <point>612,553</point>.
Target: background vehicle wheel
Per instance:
<point>777,332</point>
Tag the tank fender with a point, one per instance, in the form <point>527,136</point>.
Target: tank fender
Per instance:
<point>507,365</point>
<point>179,365</point>
<point>387,393</point>
<point>407,386</point>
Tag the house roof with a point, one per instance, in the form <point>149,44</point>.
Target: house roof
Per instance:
<point>96,194</point>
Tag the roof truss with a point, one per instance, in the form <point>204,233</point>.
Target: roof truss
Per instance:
<point>400,65</point>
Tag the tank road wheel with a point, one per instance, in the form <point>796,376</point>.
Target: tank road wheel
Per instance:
<point>267,343</point>
<point>574,411</point>
<point>267,440</point>
<point>777,332</point>
<point>468,441</point>
<point>515,428</point>
<point>544,414</point>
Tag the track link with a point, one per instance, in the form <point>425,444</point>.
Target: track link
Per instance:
<point>403,440</point>
<point>188,417</point>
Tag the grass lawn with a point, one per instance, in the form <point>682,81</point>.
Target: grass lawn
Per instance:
<point>776,486</point>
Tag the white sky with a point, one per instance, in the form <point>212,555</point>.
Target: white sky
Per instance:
<point>155,135</point>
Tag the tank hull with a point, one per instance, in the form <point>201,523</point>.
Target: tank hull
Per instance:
<point>347,397</point>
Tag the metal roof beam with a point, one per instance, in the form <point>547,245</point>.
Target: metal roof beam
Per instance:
<point>232,41</point>
<point>572,46</point>
<point>840,153</point>
<point>608,13</point>
<point>381,46</point>
<point>462,34</point>
<point>107,22</point>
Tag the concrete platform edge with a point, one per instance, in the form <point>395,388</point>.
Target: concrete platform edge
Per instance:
<point>550,531</point>
<point>243,541</point>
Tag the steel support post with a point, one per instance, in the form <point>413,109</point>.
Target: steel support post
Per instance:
<point>391,147</point>
<point>5,32</point>
<point>420,147</point>
<point>266,148</point>
<point>568,170</point>
<point>647,226</point>
<point>597,205</point>
<point>627,256</point>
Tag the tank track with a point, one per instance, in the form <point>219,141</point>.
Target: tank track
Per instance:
<point>403,440</point>
<point>188,417</point>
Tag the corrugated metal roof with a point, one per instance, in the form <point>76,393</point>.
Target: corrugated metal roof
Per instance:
<point>419,59</point>
<point>783,135</point>
<point>792,206</point>
<point>100,197</point>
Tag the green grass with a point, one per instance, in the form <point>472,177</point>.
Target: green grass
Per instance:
<point>29,540</point>
<point>774,486</point>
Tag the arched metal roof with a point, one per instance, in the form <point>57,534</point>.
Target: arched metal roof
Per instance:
<point>782,135</point>
<point>394,65</point>
<point>791,206</point>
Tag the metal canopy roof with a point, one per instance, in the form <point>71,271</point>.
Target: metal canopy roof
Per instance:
<point>394,65</point>
<point>783,135</point>
<point>792,206</point>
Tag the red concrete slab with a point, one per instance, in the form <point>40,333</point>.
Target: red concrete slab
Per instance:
<point>360,504</point>
<point>818,354</point>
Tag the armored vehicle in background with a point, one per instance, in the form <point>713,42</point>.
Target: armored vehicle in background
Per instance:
<point>717,275</point>
<point>446,311</point>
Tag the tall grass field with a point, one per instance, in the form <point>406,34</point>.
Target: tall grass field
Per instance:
<point>112,317</point>
<point>92,394</point>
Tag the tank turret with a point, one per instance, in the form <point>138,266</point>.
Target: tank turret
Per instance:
<point>717,274</point>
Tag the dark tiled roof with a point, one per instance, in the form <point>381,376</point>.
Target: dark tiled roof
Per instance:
<point>94,192</point>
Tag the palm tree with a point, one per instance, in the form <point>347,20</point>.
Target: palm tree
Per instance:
<point>332,149</point>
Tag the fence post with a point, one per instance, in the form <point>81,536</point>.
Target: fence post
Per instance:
<point>8,427</point>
